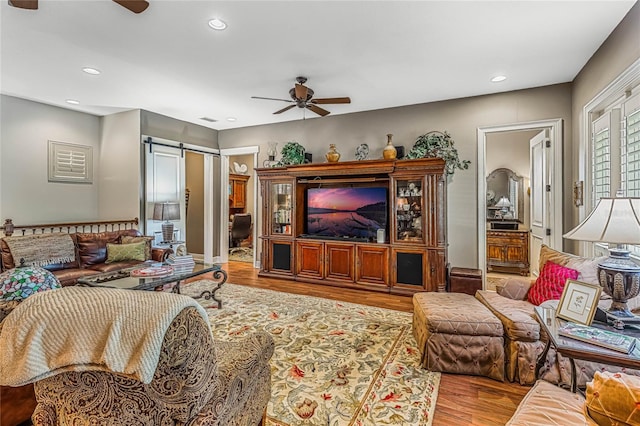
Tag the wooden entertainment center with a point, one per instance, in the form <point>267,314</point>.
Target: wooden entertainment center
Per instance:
<point>413,254</point>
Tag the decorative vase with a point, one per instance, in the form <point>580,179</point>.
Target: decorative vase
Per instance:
<point>332,155</point>
<point>272,151</point>
<point>389,152</point>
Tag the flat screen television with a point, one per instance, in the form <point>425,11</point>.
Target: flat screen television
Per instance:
<point>350,212</point>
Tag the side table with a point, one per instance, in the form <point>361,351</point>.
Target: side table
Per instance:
<point>575,349</point>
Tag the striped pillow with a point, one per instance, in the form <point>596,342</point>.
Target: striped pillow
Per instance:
<point>550,283</point>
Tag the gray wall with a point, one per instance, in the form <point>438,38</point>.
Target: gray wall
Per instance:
<point>26,196</point>
<point>460,117</point>
<point>620,50</point>
<point>194,181</point>
<point>161,126</point>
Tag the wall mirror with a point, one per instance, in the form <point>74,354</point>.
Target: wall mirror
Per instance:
<point>505,198</point>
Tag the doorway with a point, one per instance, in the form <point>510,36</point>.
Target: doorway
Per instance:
<point>184,174</point>
<point>514,140</point>
<point>238,165</point>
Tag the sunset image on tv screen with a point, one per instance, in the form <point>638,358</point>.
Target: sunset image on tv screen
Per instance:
<point>346,212</point>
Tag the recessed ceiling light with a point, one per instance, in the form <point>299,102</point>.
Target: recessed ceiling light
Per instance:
<point>498,78</point>
<point>91,71</point>
<point>217,24</point>
<point>231,119</point>
<point>73,102</point>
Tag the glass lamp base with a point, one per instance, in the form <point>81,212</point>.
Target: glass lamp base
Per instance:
<point>167,232</point>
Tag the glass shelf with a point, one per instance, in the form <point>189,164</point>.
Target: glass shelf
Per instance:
<point>281,208</point>
<point>408,206</point>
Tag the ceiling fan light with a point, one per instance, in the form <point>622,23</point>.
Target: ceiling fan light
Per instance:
<point>217,24</point>
<point>498,78</point>
<point>92,71</point>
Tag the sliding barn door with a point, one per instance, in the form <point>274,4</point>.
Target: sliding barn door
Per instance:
<point>165,182</point>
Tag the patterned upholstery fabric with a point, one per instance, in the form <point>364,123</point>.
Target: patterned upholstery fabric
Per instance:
<point>197,381</point>
<point>549,405</point>
<point>457,334</point>
<point>612,398</point>
<point>525,341</point>
<point>514,288</point>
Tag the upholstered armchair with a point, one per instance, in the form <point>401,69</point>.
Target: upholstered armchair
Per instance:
<point>197,381</point>
<point>525,340</point>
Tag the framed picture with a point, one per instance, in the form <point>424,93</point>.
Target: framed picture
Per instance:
<point>579,302</point>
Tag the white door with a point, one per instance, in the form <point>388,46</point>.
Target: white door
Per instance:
<point>541,204</point>
<point>165,182</point>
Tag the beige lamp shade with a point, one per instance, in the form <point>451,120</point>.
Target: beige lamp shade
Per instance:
<point>166,211</point>
<point>614,220</point>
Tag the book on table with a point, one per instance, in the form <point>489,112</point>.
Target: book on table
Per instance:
<point>181,263</point>
<point>597,336</point>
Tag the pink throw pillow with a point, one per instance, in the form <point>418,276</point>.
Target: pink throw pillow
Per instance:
<point>550,283</point>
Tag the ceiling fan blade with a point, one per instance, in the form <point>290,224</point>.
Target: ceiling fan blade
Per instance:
<point>318,110</point>
<point>136,6</point>
<point>345,100</point>
<point>24,4</point>
<point>301,92</point>
<point>287,108</point>
<point>271,99</point>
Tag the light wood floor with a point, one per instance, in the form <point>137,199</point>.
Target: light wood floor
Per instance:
<point>462,400</point>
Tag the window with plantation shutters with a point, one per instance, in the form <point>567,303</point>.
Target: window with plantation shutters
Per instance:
<point>602,157</point>
<point>70,163</point>
<point>631,146</point>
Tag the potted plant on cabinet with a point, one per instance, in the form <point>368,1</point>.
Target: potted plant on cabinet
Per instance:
<point>292,153</point>
<point>439,145</point>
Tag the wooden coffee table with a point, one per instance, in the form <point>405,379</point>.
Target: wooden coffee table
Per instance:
<point>575,349</point>
<point>123,279</point>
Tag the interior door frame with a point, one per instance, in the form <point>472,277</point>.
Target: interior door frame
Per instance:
<point>555,164</point>
<point>225,153</point>
<point>209,197</point>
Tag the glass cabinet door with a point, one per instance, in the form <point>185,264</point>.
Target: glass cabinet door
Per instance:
<point>409,207</point>
<point>281,201</point>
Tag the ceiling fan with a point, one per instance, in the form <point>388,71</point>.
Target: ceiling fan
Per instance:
<point>302,97</point>
<point>136,6</point>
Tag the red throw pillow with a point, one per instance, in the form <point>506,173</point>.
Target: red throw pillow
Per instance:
<point>550,283</point>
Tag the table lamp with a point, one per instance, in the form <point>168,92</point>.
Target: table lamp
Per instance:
<point>617,221</point>
<point>166,212</point>
<point>504,205</point>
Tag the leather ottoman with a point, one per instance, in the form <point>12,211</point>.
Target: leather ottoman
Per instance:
<point>465,280</point>
<point>458,334</point>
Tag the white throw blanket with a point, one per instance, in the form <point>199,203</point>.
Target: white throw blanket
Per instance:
<point>82,328</point>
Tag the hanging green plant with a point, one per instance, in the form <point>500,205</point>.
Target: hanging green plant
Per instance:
<point>292,153</point>
<point>439,145</point>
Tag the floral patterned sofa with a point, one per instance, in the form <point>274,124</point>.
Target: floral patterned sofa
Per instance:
<point>524,341</point>
<point>196,381</point>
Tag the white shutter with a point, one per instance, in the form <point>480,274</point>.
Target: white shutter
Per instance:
<point>631,146</point>
<point>70,163</point>
<point>601,157</point>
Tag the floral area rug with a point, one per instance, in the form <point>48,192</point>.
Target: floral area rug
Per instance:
<point>335,363</point>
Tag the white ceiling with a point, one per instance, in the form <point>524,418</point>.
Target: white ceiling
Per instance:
<point>382,54</point>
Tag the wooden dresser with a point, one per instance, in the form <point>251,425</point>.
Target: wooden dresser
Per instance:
<point>508,251</point>
<point>237,193</point>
